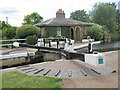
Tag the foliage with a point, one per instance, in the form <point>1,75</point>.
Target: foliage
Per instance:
<point>8,31</point>
<point>0,34</point>
<point>6,42</point>
<point>52,31</point>
<point>104,14</point>
<point>27,30</point>
<point>80,15</point>
<point>65,31</point>
<point>32,40</point>
<point>115,36</point>
<point>33,18</point>
<point>104,28</point>
<point>0,25</point>
<point>20,80</point>
<point>118,19</point>
<point>95,32</point>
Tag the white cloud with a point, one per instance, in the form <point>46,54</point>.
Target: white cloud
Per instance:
<point>17,9</point>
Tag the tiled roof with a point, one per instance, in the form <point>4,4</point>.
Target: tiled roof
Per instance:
<point>62,22</point>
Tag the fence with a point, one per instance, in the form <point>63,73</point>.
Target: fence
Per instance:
<point>11,40</point>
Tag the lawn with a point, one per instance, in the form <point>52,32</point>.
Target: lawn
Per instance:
<point>20,80</point>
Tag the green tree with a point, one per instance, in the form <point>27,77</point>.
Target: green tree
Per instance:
<point>104,14</point>
<point>80,15</point>
<point>0,25</point>
<point>32,18</point>
<point>8,31</point>
<point>0,31</point>
<point>27,30</point>
<point>118,19</point>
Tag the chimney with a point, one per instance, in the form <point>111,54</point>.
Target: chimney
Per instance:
<point>60,14</point>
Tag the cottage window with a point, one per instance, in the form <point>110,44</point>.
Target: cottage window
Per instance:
<point>84,32</point>
<point>42,31</point>
<point>59,31</point>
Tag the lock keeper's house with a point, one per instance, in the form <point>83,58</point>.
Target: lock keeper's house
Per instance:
<point>62,26</point>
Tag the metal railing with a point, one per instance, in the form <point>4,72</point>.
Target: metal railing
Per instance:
<point>11,41</point>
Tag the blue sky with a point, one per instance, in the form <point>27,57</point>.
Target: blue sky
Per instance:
<point>15,10</point>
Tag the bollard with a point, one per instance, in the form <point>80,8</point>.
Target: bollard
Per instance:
<point>44,42</point>
<point>71,49</point>
<point>57,43</point>
<point>89,48</point>
<point>49,43</point>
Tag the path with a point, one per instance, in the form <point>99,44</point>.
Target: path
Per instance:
<point>99,81</point>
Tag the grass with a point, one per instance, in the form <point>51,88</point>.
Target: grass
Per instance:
<point>20,80</point>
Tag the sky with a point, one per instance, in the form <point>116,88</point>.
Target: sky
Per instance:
<point>15,10</point>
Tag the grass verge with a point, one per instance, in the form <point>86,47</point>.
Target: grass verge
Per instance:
<point>20,80</point>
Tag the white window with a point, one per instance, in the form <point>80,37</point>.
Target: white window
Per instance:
<point>84,32</point>
<point>59,31</point>
<point>42,31</point>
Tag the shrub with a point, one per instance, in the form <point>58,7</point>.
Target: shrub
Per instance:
<point>95,32</point>
<point>27,30</point>
<point>32,40</point>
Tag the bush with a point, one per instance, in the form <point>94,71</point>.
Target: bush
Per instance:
<point>32,40</point>
<point>95,32</point>
<point>27,30</point>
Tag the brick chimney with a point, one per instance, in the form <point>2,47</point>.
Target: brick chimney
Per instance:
<point>60,14</point>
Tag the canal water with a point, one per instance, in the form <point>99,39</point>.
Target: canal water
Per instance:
<point>103,47</point>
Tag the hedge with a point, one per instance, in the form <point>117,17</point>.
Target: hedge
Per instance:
<point>27,30</point>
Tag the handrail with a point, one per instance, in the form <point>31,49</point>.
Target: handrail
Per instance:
<point>10,40</point>
<point>13,40</point>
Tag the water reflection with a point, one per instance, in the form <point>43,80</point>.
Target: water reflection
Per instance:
<point>102,47</point>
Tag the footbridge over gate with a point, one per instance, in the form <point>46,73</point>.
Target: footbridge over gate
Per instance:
<point>63,47</point>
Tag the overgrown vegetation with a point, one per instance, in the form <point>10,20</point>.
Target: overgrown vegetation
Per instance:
<point>19,80</point>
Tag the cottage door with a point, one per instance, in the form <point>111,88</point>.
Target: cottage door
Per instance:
<point>72,33</point>
<point>77,34</point>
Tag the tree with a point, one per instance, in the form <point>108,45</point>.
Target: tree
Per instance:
<point>0,30</point>
<point>80,15</point>
<point>27,30</point>
<point>0,25</point>
<point>8,31</point>
<point>104,14</point>
<point>118,19</point>
<point>32,18</point>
